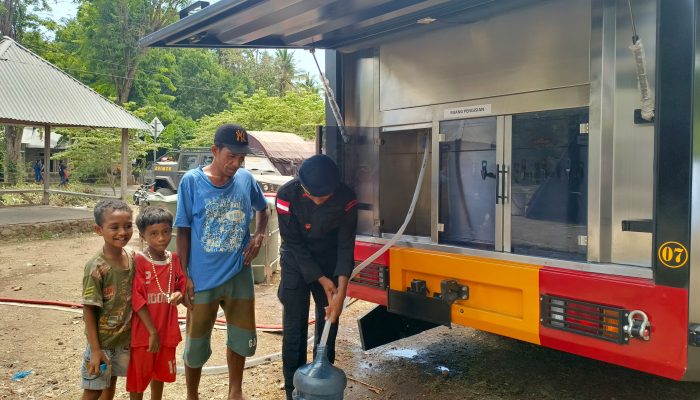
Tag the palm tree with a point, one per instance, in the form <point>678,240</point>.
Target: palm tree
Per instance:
<point>286,69</point>
<point>308,83</point>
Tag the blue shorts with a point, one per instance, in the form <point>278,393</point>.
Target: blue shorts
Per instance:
<point>119,358</point>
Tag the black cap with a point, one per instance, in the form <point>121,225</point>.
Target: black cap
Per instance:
<point>234,137</point>
<point>319,175</point>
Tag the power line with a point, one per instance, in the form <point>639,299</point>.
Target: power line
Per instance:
<point>113,76</point>
<point>192,80</point>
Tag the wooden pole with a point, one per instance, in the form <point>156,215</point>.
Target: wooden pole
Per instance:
<point>47,163</point>
<point>319,139</point>
<point>125,163</point>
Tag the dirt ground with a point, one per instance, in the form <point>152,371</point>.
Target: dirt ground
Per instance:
<point>455,363</point>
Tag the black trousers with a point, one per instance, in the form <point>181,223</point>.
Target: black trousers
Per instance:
<point>294,294</point>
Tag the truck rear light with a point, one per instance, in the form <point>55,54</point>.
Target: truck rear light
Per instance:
<point>374,275</point>
<point>584,318</point>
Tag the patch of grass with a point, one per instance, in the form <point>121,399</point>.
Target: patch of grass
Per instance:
<point>60,200</point>
<point>46,235</point>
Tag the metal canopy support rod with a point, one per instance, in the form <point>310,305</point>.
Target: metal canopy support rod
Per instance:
<point>331,100</point>
<point>125,163</point>
<point>332,139</point>
<point>47,163</point>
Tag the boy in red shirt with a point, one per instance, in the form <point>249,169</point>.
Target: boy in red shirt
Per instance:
<point>157,290</point>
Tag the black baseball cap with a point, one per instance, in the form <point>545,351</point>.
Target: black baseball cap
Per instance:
<point>234,137</point>
<point>319,175</point>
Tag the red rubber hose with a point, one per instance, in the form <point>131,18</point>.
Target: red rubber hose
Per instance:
<point>76,305</point>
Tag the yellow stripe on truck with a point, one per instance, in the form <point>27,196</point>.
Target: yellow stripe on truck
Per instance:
<point>503,295</point>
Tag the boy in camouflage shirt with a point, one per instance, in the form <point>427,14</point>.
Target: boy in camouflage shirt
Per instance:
<point>106,302</point>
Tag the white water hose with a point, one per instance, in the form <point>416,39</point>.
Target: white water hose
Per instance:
<point>647,105</point>
<point>387,245</point>
<point>640,61</point>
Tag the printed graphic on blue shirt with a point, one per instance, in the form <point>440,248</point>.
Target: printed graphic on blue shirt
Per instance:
<point>226,225</point>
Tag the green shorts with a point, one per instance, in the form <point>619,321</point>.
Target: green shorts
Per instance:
<point>237,298</point>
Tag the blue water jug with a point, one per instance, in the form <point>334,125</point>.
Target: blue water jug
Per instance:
<point>319,380</point>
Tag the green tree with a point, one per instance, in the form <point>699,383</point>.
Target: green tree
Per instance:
<point>307,83</point>
<point>154,84</point>
<point>179,85</point>
<point>255,67</point>
<point>96,153</point>
<point>178,132</point>
<point>297,112</point>
<point>286,70</point>
<point>18,18</point>
<point>203,85</point>
<point>192,80</point>
<point>109,31</point>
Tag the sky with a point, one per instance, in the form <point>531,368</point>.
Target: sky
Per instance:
<point>305,62</point>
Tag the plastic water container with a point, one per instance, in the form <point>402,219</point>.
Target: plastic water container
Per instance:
<point>319,380</point>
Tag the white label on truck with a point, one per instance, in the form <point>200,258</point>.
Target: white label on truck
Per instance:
<point>468,111</point>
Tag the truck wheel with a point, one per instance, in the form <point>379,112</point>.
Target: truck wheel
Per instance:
<point>165,191</point>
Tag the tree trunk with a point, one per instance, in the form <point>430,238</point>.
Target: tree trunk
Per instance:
<point>124,84</point>
<point>6,20</point>
<point>14,169</point>
<point>112,180</point>
<point>13,134</point>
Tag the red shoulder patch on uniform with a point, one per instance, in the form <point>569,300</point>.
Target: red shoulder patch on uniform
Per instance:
<point>350,205</point>
<point>282,206</point>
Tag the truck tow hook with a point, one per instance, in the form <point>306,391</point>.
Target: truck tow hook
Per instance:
<point>638,325</point>
<point>452,290</point>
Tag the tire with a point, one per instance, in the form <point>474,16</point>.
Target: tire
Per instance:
<point>165,191</point>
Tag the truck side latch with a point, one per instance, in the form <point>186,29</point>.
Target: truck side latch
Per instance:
<point>638,325</point>
<point>451,290</point>
<point>418,286</point>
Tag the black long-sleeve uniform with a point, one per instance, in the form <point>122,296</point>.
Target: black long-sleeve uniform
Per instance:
<point>317,240</point>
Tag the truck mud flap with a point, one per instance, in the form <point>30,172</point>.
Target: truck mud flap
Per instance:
<point>379,327</point>
<point>420,306</point>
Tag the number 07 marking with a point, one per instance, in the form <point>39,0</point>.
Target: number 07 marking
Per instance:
<point>673,254</point>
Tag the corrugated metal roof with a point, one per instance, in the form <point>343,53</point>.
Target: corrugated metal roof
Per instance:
<point>283,145</point>
<point>285,150</point>
<point>35,92</point>
<point>326,24</point>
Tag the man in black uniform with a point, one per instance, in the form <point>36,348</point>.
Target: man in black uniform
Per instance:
<point>318,220</point>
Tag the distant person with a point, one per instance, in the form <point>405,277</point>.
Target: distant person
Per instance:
<point>38,167</point>
<point>317,219</point>
<point>106,302</point>
<point>157,290</point>
<point>215,205</point>
<point>62,173</point>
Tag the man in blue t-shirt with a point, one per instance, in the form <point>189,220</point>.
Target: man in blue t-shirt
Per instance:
<point>215,208</point>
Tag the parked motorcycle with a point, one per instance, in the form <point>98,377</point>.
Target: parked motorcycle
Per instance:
<point>142,193</point>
